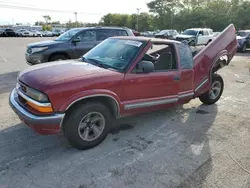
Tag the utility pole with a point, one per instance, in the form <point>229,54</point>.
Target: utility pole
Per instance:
<point>137,24</point>
<point>76,18</point>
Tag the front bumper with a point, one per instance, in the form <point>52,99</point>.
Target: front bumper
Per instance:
<point>33,59</point>
<point>49,124</point>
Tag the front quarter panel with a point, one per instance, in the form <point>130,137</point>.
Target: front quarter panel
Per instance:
<point>89,94</point>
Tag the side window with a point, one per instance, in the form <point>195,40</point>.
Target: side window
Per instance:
<point>103,34</point>
<point>206,32</point>
<point>201,33</point>
<point>88,36</point>
<point>121,33</point>
<point>163,57</point>
<point>186,57</point>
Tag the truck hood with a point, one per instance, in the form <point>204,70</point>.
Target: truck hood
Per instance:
<point>44,76</point>
<point>44,43</point>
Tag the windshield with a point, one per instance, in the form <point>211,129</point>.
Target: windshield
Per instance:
<point>190,32</point>
<point>242,33</point>
<point>67,35</point>
<point>114,53</point>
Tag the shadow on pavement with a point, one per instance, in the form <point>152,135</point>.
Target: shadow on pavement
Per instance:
<point>8,81</point>
<point>20,147</point>
<point>195,130</point>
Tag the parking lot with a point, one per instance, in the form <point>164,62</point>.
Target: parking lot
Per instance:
<point>189,146</point>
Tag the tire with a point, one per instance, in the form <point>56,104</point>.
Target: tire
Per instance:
<point>74,133</point>
<point>192,43</point>
<point>209,98</point>
<point>58,57</point>
<point>244,48</point>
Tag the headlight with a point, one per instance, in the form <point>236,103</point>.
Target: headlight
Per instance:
<point>36,95</point>
<point>33,93</point>
<point>39,49</point>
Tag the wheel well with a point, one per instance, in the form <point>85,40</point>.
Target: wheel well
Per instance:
<point>107,101</point>
<point>220,63</point>
<point>59,53</point>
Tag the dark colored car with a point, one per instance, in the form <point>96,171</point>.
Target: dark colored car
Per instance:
<point>243,38</point>
<point>121,76</point>
<point>9,33</point>
<point>71,44</point>
<point>1,32</point>
<point>167,34</point>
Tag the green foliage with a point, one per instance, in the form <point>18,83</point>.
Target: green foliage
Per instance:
<point>46,27</point>
<point>182,14</point>
<point>176,14</point>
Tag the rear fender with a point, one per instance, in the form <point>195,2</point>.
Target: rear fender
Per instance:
<point>218,53</point>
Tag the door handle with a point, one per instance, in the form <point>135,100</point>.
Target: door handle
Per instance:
<point>177,77</point>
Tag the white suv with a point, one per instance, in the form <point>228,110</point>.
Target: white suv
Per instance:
<point>196,36</point>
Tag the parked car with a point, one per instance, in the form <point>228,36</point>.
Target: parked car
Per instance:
<point>136,33</point>
<point>196,36</point>
<point>24,33</point>
<point>1,32</point>
<point>71,44</point>
<point>167,34</point>
<point>215,34</point>
<point>121,76</point>
<point>148,34</point>
<point>9,33</point>
<point>56,32</point>
<point>243,38</point>
<point>47,34</point>
<point>37,33</point>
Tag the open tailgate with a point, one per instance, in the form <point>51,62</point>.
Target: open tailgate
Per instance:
<point>204,61</point>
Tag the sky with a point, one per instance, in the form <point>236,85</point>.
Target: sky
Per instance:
<point>88,10</point>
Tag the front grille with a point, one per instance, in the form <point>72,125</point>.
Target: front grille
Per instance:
<point>180,39</point>
<point>29,50</point>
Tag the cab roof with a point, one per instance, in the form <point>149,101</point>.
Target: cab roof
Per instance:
<point>146,39</point>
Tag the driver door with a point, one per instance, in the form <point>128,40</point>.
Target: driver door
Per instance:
<point>87,42</point>
<point>155,89</point>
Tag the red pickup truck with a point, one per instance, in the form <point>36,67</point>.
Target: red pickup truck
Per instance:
<point>119,77</point>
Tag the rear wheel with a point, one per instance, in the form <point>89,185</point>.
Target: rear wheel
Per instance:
<point>58,57</point>
<point>215,91</point>
<point>87,125</point>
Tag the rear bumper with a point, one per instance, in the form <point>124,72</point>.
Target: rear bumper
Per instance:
<point>49,124</point>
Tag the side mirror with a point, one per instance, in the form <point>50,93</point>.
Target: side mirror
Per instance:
<point>77,39</point>
<point>145,67</point>
<point>200,35</point>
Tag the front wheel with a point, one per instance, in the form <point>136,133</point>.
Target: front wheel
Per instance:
<point>215,91</point>
<point>58,57</point>
<point>244,48</point>
<point>87,125</point>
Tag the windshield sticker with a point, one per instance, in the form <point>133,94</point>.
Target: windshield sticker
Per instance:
<point>134,43</point>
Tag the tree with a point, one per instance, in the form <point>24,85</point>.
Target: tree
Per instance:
<point>47,19</point>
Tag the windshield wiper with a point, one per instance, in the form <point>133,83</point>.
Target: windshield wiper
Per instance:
<point>99,63</point>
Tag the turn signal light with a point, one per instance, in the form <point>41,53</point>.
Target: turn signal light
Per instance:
<point>45,109</point>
